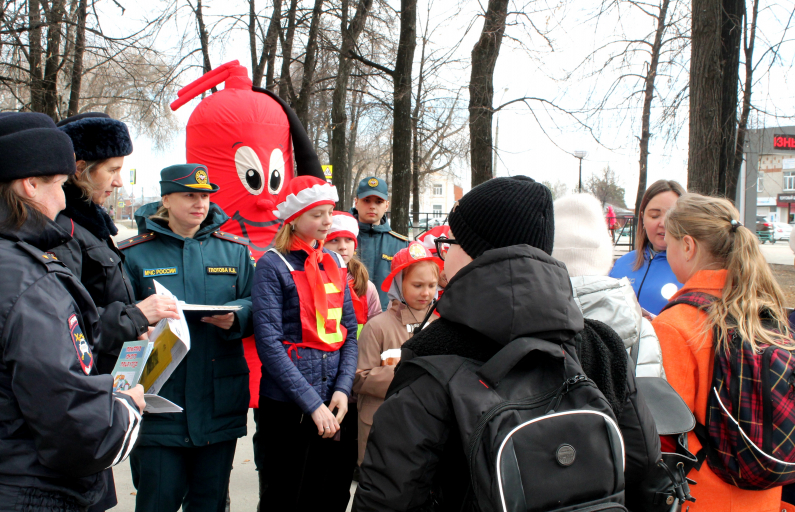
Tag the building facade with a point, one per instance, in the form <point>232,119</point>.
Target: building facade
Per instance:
<point>769,175</point>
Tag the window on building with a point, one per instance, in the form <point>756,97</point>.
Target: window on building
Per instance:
<point>760,184</point>
<point>437,209</point>
<point>437,189</point>
<point>789,180</point>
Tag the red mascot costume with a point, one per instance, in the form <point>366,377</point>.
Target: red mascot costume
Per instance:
<point>247,137</point>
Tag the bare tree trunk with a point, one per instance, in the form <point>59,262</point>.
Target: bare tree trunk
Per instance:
<point>356,113</point>
<point>34,57</point>
<point>302,103</point>
<point>401,138</point>
<point>481,90</point>
<point>742,126</point>
<point>53,59</point>
<point>270,44</point>
<point>252,40</point>
<point>648,96</point>
<point>731,39</point>
<point>339,117</point>
<point>204,39</point>
<point>415,121</point>
<point>77,66</point>
<point>285,81</point>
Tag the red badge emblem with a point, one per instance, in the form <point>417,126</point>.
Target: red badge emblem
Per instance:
<point>81,345</point>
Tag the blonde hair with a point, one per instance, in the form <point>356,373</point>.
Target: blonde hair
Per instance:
<point>161,213</point>
<point>751,290</point>
<point>641,238</point>
<point>360,275</point>
<point>284,238</point>
<point>83,180</point>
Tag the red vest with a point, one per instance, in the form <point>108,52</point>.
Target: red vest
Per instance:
<point>313,332</point>
<point>359,307</point>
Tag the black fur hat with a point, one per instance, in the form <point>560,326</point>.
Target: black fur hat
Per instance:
<point>96,136</point>
<point>32,146</point>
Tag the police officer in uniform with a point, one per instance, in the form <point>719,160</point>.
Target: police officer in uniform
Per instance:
<point>61,424</point>
<point>377,243</point>
<point>185,459</point>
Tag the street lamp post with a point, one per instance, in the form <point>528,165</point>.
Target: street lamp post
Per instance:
<point>580,155</point>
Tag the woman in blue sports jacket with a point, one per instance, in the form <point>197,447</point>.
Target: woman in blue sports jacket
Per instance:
<point>185,459</point>
<point>305,328</point>
<point>647,267</point>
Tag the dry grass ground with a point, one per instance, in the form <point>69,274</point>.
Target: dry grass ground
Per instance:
<point>785,275</point>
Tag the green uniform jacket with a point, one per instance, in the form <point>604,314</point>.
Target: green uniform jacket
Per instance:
<point>211,383</point>
<point>378,244</point>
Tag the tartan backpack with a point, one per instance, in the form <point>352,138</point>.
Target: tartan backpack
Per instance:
<point>749,436</point>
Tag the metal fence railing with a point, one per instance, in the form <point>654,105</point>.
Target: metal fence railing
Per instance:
<point>426,221</point>
<point>623,231</point>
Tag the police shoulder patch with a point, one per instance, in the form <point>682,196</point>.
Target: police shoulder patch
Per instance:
<point>399,236</point>
<point>229,237</point>
<point>139,239</point>
<point>84,355</point>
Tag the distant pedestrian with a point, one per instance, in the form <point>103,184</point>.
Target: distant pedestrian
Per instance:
<point>305,328</point>
<point>378,244</point>
<point>647,266</point>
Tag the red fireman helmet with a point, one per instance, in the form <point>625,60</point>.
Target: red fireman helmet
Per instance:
<point>404,258</point>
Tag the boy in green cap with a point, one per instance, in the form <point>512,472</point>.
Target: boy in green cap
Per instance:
<point>378,244</point>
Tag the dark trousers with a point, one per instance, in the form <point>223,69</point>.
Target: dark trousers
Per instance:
<point>30,499</point>
<point>303,471</point>
<point>195,478</point>
<point>108,501</point>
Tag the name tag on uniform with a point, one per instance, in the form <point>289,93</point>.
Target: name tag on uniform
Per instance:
<point>387,257</point>
<point>166,271</point>
<point>229,271</point>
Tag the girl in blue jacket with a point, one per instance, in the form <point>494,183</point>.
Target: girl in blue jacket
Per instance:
<point>305,329</point>
<point>647,267</point>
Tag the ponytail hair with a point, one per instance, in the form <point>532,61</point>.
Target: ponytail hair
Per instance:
<point>751,292</point>
<point>358,272</point>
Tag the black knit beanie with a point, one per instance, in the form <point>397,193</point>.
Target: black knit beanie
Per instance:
<point>503,212</point>
<point>96,136</point>
<point>31,145</point>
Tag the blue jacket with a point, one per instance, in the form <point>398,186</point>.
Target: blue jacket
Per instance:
<point>312,377</point>
<point>378,244</point>
<point>654,282</point>
<point>211,383</point>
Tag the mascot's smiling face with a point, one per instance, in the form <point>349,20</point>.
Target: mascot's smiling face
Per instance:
<point>243,137</point>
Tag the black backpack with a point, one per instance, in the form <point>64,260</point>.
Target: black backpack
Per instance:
<point>537,433</point>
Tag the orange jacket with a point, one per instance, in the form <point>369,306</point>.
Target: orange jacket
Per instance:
<point>688,356</point>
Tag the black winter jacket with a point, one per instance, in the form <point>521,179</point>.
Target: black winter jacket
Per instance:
<point>60,423</point>
<point>94,259</point>
<point>415,459</point>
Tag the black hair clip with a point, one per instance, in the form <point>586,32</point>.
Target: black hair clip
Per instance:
<point>735,224</point>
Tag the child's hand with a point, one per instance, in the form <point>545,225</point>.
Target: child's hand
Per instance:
<point>339,401</point>
<point>327,425</point>
<point>224,322</point>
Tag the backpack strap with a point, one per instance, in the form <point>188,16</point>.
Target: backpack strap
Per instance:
<point>698,300</point>
<point>496,368</point>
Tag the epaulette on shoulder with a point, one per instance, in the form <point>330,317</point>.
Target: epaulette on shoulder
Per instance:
<point>139,239</point>
<point>399,236</point>
<point>229,237</point>
<point>43,257</point>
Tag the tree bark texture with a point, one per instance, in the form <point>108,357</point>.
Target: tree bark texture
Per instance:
<point>481,90</point>
<point>77,66</point>
<point>705,98</point>
<point>648,96</point>
<point>52,65</point>
<point>401,137</point>
<point>731,41</point>
<point>269,51</point>
<point>415,121</point>
<point>742,125</point>
<point>285,81</point>
<point>339,116</point>
<point>302,103</point>
<point>34,57</point>
<point>204,39</point>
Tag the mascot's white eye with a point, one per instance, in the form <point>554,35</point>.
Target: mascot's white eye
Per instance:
<point>249,170</point>
<point>276,172</point>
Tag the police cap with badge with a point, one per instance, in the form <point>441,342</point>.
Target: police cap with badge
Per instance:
<point>186,178</point>
<point>373,186</point>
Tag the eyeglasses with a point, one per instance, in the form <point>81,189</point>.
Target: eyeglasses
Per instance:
<point>443,245</point>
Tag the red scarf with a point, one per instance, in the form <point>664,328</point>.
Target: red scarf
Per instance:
<point>316,256</point>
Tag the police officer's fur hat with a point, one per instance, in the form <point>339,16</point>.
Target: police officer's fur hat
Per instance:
<point>31,146</point>
<point>96,136</point>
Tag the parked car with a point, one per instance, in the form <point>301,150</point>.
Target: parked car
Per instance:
<point>764,229</point>
<point>781,231</point>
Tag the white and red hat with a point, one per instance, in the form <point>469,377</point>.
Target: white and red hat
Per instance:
<point>301,194</point>
<point>412,254</point>
<point>427,239</point>
<point>344,224</point>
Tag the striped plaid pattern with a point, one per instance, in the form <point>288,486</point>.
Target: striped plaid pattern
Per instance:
<point>750,411</point>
